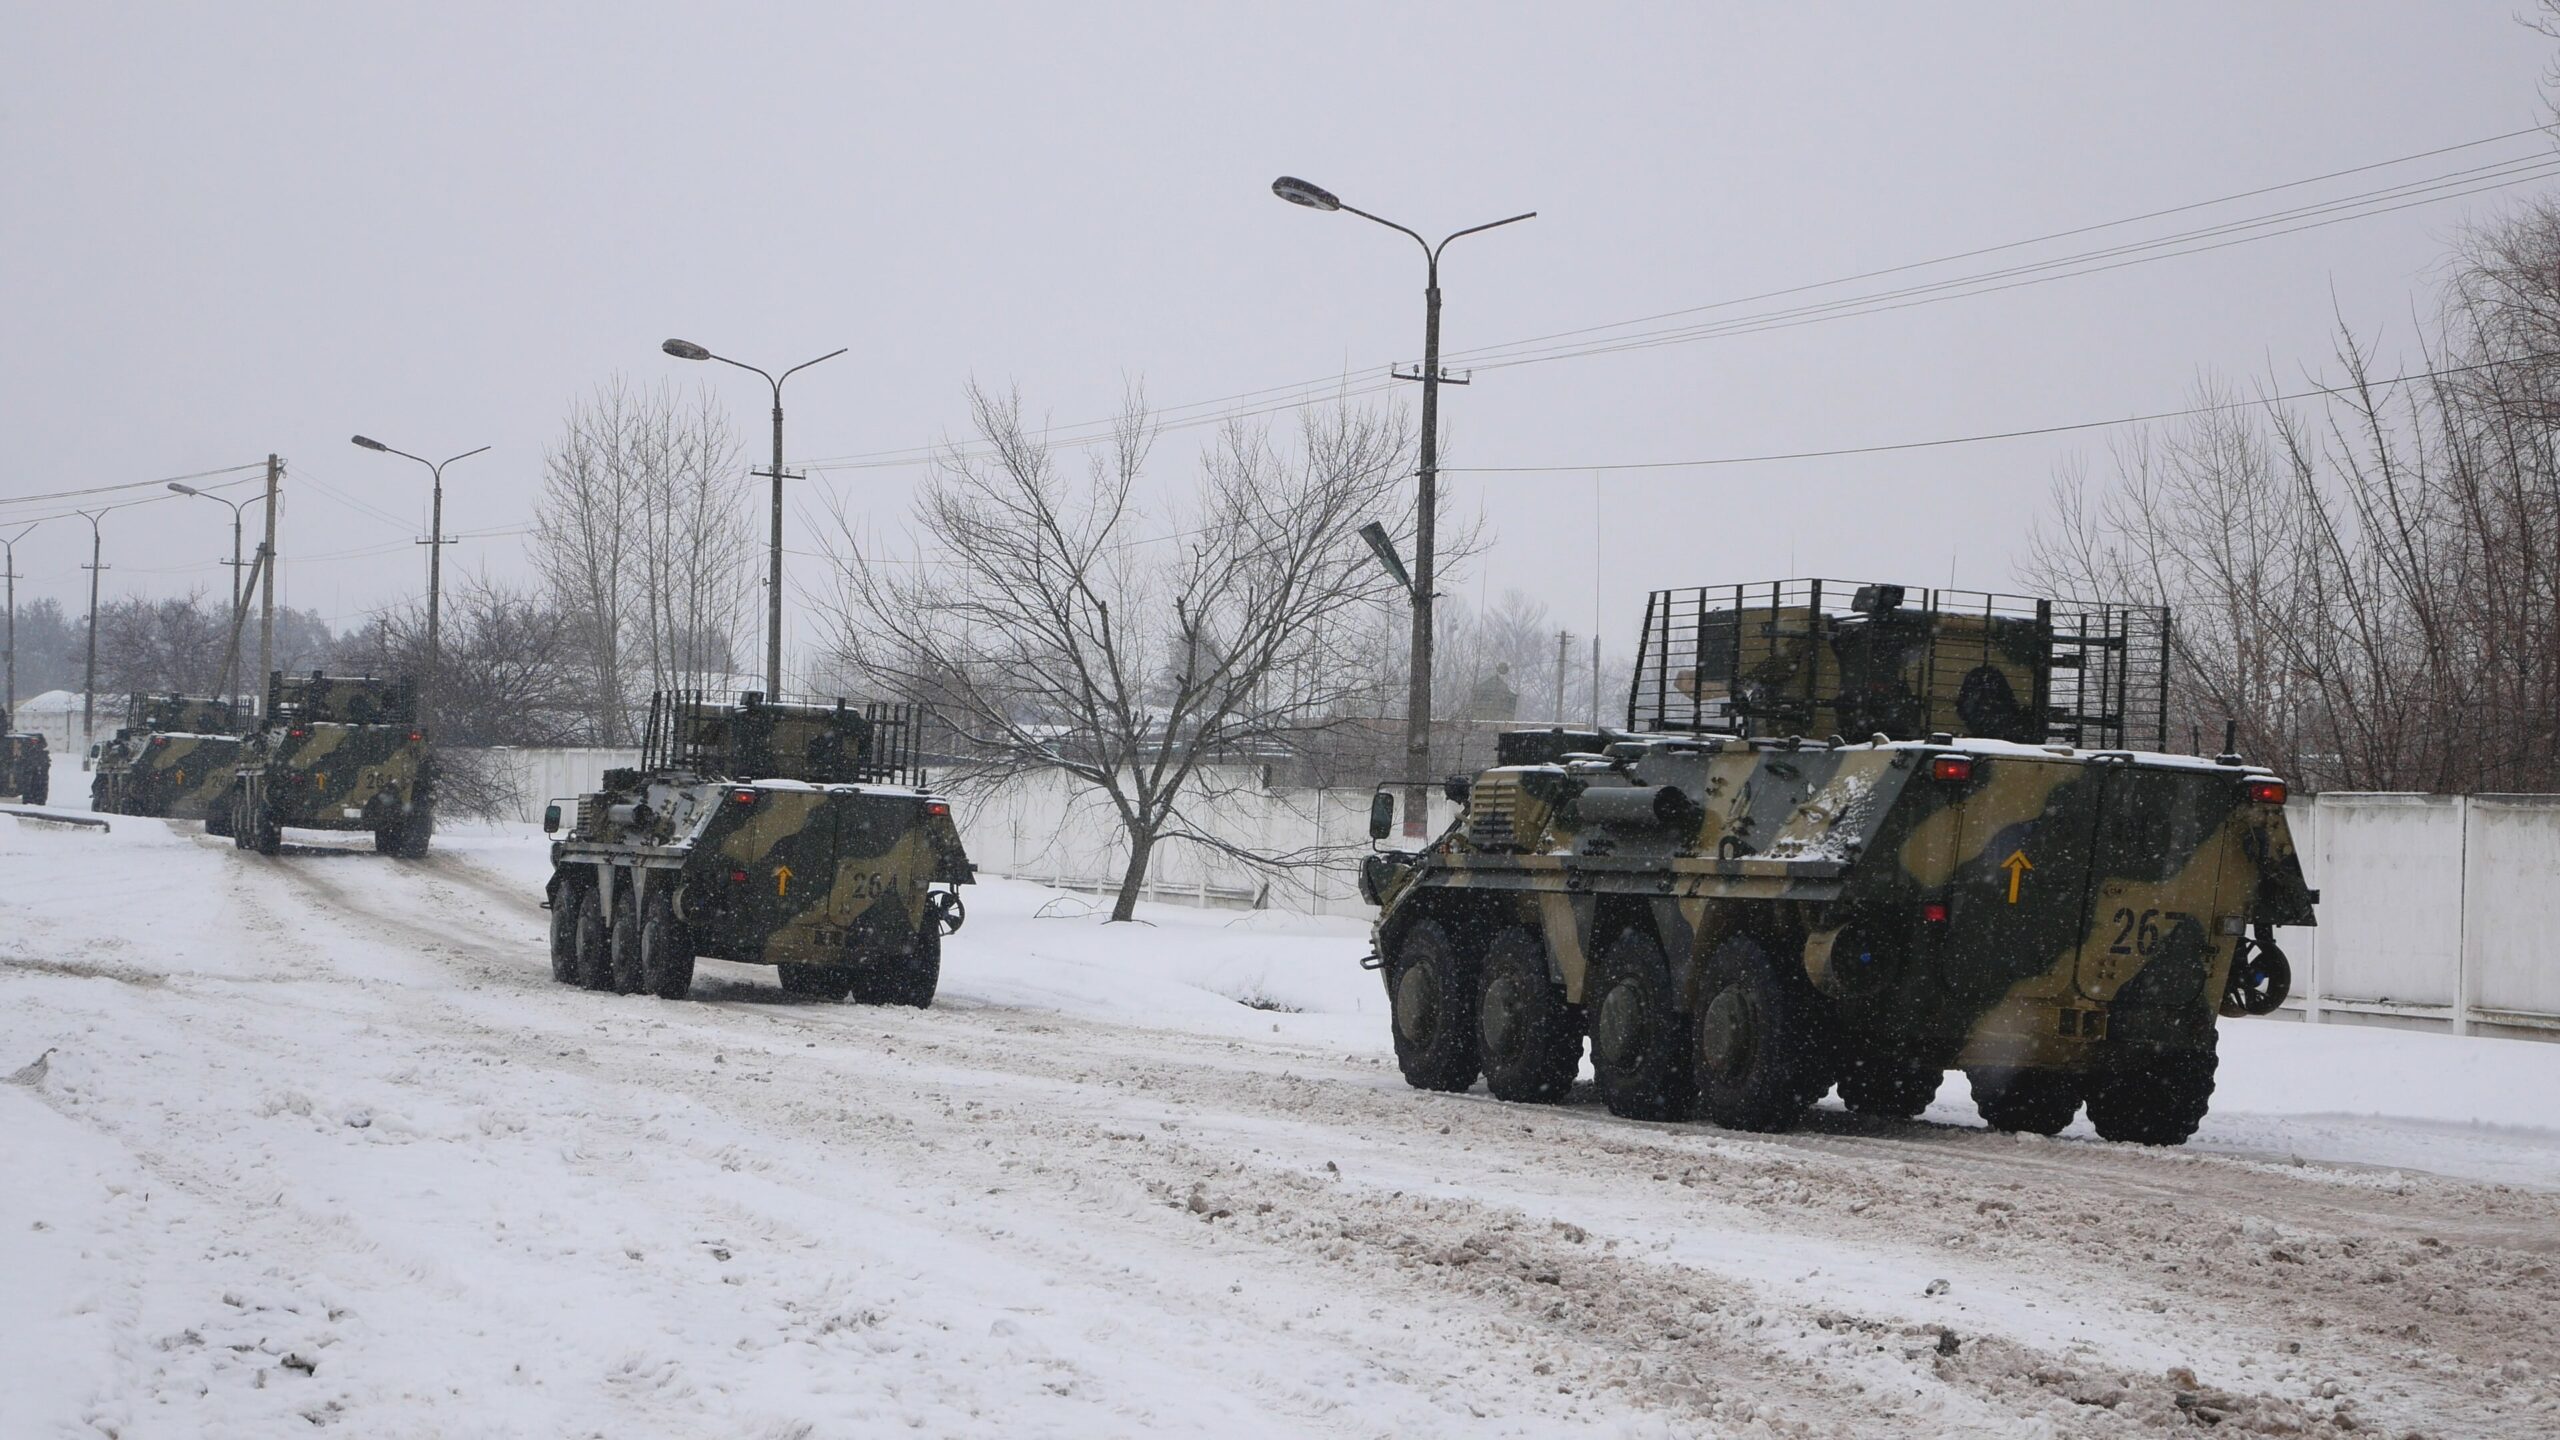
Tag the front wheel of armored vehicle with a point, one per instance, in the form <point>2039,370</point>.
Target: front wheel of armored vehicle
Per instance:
<point>1884,1088</point>
<point>666,952</point>
<point>819,982</point>
<point>1529,1037</point>
<point>1431,990</point>
<point>622,946</point>
<point>102,800</point>
<point>265,833</point>
<point>568,900</point>
<point>217,817</point>
<point>1641,1047</point>
<point>2159,1100</point>
<point>2035,1102</point>
<point>1761,1044</point>
<point>37,785</point>
<point>592,947</point>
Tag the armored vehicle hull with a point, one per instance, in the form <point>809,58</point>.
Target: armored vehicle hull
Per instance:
<point>176,759</point>
<point>333,754</point>
<point>1741,923</point>
<point>26,769</point>
<point>833,871</point>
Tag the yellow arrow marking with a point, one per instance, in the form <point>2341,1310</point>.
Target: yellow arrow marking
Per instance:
<point>781,879</point>
<point>2017,865</point>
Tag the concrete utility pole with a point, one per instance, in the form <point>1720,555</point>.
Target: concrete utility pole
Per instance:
<point>267,585</point>
<point>435,543</point>
<point>1417,742</point>
<point>89,686</point>
<point>9,567</point>
<point>687,350</point>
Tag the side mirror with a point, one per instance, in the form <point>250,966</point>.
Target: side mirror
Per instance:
<point>1382,814</point>
<point>551,818</point>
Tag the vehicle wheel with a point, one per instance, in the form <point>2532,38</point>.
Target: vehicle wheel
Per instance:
<point>1763,1050</point>
<point>217,816</point>
<point>567,900</point>
<point>593,952</point>
<point>821,982</point>
<point>1432,994</point>
<point>1530,1039</point>
<point>39,786</point>
<point>1640,1042</point>
<point>666,952</point>
<point>101,797</point>
<point>622,944</point>
<point>1883,1088</point>
<point>266,833</point>
<point>407,836</point>
<point>2157,1102</point>
<point>2038,1102</point>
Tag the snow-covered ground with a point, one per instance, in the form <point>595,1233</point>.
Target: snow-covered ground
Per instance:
<point>319,1144</point>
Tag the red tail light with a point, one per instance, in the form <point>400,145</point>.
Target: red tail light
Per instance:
<point>1934,913</point>
<point>417,735</point>
<point>2265,792</point>
<point>936,807</point>
<point>159,740</point>
<point>296,734</point>
<point>1953,769</point>
<point>744,797</point>
<point>737,877</point>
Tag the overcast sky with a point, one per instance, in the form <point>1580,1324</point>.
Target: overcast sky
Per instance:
<point>228,230</point>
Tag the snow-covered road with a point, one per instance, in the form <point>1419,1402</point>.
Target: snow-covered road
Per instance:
<point>320,1142</point>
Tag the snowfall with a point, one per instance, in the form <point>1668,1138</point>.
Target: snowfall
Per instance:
<point>315,1142</point>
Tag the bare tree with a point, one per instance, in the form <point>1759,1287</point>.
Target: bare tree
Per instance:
<point>1057,624</point>
<point>642,536</point>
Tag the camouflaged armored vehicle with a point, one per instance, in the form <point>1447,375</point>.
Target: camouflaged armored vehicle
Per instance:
<point>793,835</point>
<point>333,753</point>
<point>26,769</point>
<point>173,758</point>
<point>1852,835</point>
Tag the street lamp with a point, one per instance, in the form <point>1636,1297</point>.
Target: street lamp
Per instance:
<point>89,679</point>
<point>687,350</point>
<point>435,555</point>
<point>231,672</point>
<point>9,568</point>
<point>1417,741</point>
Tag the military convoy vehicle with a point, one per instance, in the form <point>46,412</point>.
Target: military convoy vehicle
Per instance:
<point>333,753</point>
<point>1851,835</point>
<point>794,835</point>
<point>26,769</point>
<point>172,758</point>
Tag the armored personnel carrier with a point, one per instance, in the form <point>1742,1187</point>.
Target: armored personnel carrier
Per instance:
<point>1852,835</point>
<point>794,835</point>
<point>26,768</point>
<point>173,758</point>
<point>333,753</point>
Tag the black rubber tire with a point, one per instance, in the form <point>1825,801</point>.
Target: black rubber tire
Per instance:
<point>622,943</point>
<point>36,785</point>
<point>1528,1038</point>
<point>102,797</point>
<point>408,836</point>
<point>666,952</point>
<point>266,835</point>
<point>1762,1045</point>
<point>2033,1102</point>
<point>1884,1088</point>
<point>1431,995</point>
<point>914,978</point>
<point>821,982</point>
<point>2158,1101</point>
<point>593,951</point>
<point>1641,1046</point>
<point>217,816</point>
<point>567,899</point>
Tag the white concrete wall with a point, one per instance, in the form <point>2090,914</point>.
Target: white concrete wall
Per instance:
<point>2441,909</point>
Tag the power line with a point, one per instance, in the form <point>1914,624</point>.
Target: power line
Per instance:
<point>164,480</point>
<point>2316,392</point>
<point>2495,174</point>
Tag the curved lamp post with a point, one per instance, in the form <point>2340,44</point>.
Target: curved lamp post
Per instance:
<point>435,555</point>
<point>687,350</point>
<point>231,674</point>
<point>1417,743</point>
